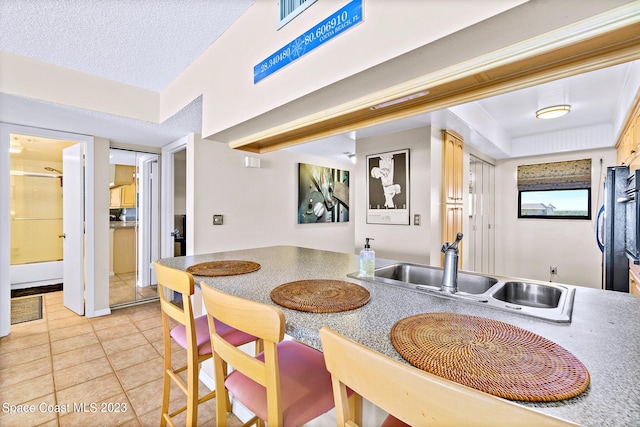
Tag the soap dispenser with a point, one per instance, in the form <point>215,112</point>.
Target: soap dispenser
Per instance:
<point>367,260</point>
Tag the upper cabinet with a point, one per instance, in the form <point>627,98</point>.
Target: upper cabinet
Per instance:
<point>123,197</point>
<point>628,144</point>
<point>452,159</point>
<point>120,175</point>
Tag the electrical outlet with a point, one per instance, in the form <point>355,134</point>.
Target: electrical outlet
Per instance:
<point>553,270</point>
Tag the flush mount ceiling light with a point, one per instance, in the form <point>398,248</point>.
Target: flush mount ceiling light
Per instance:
<point>553,112</point>
<point>399,100</point>
<point>351,156</point>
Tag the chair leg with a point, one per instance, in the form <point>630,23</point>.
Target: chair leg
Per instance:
<point>192,388</point>
<point>222,406</point>
<point>166,384</point>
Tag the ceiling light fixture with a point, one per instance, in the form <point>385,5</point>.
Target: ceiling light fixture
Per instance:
<point>351,156</point>
<point>399,100</point>
<point>553,112</point>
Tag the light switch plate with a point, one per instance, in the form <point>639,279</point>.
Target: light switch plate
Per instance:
<point>217,220</point>
<point>416,219</point>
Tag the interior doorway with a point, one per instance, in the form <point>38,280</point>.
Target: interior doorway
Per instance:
<point>133,226</point>
<point>36,210</point>
<point>20,268</point>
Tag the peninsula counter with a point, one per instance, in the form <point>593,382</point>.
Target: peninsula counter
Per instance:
<point>604,333</point>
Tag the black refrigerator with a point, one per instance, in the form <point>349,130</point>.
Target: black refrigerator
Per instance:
<point>611,224</point>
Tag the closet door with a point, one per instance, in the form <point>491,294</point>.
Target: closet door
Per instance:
<point>481,235</point>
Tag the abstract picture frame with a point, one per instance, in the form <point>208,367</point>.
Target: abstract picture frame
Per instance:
<point>323,194</point>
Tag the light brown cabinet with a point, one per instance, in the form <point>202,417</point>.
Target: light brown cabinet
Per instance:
<point>634,284</point>
<point>121,175</point>
<point>452,188</point>
<point>634,279</point>
<point>452,159</point>
<point>628,145</point>
<point>124,250</point>
<point>123,197</point>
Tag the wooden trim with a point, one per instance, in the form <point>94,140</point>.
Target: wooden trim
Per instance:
<point>605,40</point>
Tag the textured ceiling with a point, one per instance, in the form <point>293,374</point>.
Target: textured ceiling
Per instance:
<point>143,43</point>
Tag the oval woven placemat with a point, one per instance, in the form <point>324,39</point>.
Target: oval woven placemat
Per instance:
<point>320,295</point>
<point>223,268</point>
<point>489,355</point>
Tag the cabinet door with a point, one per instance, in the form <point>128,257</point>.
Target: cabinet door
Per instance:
<point>453,149</point>
<point>128,196</point>
<point>124,250</point>
<point>115,199</point>
<point>634,284</point>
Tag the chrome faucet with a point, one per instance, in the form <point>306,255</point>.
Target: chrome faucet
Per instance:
<point>450,274</point>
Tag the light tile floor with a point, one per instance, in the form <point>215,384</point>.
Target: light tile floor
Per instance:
<point>111,364</point>
<point>123,289</point>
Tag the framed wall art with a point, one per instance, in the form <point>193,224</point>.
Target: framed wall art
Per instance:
<point>323,194</point>
<point>388,188</point>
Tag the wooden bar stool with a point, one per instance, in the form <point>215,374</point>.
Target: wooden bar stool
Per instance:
<point>192,335</point>
<point>412,396</point>
<point>286,385</point>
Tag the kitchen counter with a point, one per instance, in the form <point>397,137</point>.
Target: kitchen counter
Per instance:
<point>122,224</point>
<point>604,333</point>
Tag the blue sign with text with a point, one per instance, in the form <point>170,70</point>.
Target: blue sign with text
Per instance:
<point>335,24</point>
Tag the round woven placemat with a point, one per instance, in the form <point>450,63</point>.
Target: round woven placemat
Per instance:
<point>489,355</point>
<point>223,268</point>
<point>320,295</point>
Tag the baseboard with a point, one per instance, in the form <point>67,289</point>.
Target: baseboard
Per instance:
<point>18,291</point>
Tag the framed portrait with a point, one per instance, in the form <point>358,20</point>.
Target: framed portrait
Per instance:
<point>323,194</point>
<point>388,188</point>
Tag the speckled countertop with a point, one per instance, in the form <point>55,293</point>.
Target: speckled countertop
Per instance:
<point>116,225</point>
<point>604,333</point>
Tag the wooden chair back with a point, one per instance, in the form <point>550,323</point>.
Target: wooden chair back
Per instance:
<point>266,322</point>
<point>174,280</point>
<point>414,396</point>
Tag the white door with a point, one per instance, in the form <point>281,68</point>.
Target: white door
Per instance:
<point>481,235</point>
<point>148,218</point>
<point>73,228</point>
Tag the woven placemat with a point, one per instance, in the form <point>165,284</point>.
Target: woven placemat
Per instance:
<point>489,355</point>
<point>320,295</point>
<point>223,268</point>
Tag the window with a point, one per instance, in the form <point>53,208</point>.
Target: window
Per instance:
<point>289,9</point>
<point>559,190</point>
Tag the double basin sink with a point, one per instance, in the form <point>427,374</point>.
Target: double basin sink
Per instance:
<point>550,302</point>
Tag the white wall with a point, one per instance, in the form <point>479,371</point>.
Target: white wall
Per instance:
<point>401,242</point>
<point>259,205</point>
<point>528,247</point>
<point>388,30</point>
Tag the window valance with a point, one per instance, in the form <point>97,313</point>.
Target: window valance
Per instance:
<point>555,175</point>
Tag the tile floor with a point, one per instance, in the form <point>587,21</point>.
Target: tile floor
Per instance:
<point>114,362</point>
<point>123,289</point>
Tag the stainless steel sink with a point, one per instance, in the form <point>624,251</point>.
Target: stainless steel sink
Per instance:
<point>432,276</point>
<point>529,294</point>
<point>550,302</point>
